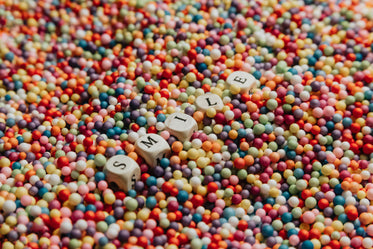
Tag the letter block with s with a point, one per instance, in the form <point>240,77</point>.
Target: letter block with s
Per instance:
<point>123,171</point>
<point>152,148</point>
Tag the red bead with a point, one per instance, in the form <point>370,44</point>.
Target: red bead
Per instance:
<point>64,195</point>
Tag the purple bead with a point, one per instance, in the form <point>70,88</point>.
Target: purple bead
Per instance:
<point>123,235</point>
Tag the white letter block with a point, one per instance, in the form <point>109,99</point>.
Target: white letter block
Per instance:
<point>123,171</point>
<point>181,125</point>
<point>152,148</point>
<point>244,80</point>
<point>209,100</point>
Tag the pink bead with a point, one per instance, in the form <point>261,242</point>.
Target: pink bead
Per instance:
<point>65,212</point>
<point>91,186</point>
<point>220,203</point>
<point>102,185</point>
<point>260,212</point>
<point>370,230</point>
<point>151,224</point>
<point>294,240</point>
<point>105,39</point>
<point>89,172</point>
<point>308,217</point>
<point>148,233</point>
<point>356,242</point>
<point>86,246</point>
<point>165,135</point>
<point>26,200</point>
<point>329,111</point>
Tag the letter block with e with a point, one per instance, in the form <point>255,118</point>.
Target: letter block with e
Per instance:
<point>152,148</point>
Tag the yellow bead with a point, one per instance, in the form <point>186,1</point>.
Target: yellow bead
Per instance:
<point>235,89</point>
<point>7,245</point>
<point>210,112</point>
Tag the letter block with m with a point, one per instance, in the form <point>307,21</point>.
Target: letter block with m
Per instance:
<point>152,148</point>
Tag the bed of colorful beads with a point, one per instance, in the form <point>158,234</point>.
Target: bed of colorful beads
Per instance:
<point>287,165</point>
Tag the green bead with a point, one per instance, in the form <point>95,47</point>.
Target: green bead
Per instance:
<point>277,225</point>
<point>100,160</point>
<point>258,129</point>
<point>102,226</point>
<point>131,204</point>
<point>196,244</point>
<point>301,184</point>
<point>281,67</point>
<point>263,119</point>
<point>74,243</point>
<point>164,223</point>
<point>226,173</point>
<point>228,192</point>
<point>271,104</point>
<point>338,210</point>
<point>310,202</point>
<point>248,123</point>
<point>296,212</point>
<point>242,174</point>
<point>209,170</point>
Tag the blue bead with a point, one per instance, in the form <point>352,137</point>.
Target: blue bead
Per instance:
<point>343,218</point>
<point>258,205</point>
<point>10,122</point>
<point>9,56</point>
<point>165,162</point>
<point>132,193</point>
<point>99,176</point>
<point>307,245</point>
<point>257,75</point>
<point>182,196</point>
<point>360,232</point>
<point>161,117</point>
<point>368,95</point>
<point>141,121</point>
<point>151,181</point>
<point>42,191</point>
<point>91,207</point>
<point>103,241</point>
<point>151,202</point>
<point>197,218</point>
<point>346,122</point>
<point>216,176</point>
<point>298,173</point>
<point>283,247</point>
<point>7,97</point>
<point>16,165</point>
<point>267,230</point>
<point>339,200</point>
<point>338,189</point>
<point>80,207</point>
<point>292,231</point>
<point>45,210</point>
<point>47,133</point>
<point>120,152</point>
<point>228,212</point>
<point>110,133</point>
<point>286,217</point>
<point>110,219</point>
<point>117,130</point>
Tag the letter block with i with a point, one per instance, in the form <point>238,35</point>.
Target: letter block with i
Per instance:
<point>152,148</point>
<point>181,126</point>
<point>123,171</point>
